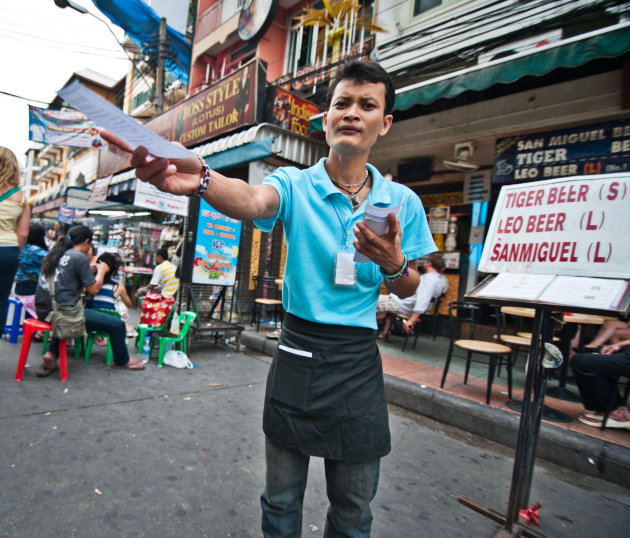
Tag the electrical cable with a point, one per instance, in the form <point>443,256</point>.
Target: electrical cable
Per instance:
<point>21,97</point>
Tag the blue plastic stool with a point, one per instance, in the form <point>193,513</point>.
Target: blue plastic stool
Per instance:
<point>14,329</point>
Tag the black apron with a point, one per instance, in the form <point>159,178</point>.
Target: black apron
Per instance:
<point>326,394</point>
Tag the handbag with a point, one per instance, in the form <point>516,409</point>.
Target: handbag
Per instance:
<point>68,322</point>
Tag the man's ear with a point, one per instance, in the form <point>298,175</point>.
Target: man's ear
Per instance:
<point>387,123</point>
<point>325,121</point>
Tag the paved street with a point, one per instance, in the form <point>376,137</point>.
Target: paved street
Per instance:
<point>172,453</point>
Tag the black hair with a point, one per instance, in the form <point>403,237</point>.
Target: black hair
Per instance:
<point>364,71</point>
<point>36,235</point>
<point>162,252</point>
<point>77,234</point>
<point>113,262</point>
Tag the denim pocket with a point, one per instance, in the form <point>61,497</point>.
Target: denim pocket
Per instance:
<point>292,373</point>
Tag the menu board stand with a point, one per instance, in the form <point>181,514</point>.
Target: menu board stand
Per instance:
<point>534,389</point>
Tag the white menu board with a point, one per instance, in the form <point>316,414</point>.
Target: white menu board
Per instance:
<point>576,226</point>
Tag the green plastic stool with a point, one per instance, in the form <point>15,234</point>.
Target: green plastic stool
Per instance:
<point>78,345</point>
<point>179,342</point>
<point>143,329</point>
<point>92,336</point>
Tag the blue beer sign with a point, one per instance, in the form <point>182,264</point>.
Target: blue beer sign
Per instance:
<point>590,149</point>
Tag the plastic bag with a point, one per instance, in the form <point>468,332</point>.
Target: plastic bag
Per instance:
<point>177,359</point>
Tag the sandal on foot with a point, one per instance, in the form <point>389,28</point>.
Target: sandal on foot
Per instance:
<point>132,364</point>
<point>610,423</point>
<point>44,371</point>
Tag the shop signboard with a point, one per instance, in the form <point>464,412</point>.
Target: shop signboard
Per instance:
<point>225,106</point>
<point>151,197</point>
<point>284,109</point>
<point>66,215</point>
<point>477,187</point>
<point>602,148</point>
<point>98,191</point>
<point>566,226</point>
<point>216,247</point>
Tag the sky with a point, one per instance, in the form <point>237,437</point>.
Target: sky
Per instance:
<point>42,45</point>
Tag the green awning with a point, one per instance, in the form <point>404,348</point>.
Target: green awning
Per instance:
<point>570,53</point>
<point>254,151</point>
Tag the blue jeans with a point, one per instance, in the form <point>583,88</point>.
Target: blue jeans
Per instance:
<point>9,258</point>
<point>350,488</point>
<point>99,322</point>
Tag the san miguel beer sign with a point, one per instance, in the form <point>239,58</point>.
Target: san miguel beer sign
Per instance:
<point>221,108</point>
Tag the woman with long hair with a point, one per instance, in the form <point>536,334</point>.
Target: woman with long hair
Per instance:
<point>29,266</point>
<point>67,263</point>
<point>14,219</point>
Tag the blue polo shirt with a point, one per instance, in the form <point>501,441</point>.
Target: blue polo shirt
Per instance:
<point>318,223</point>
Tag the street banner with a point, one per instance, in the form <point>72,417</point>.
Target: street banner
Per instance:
<point>62,128</point>
<point>151,197</point>
<point>576,226</point>
<point>216,247</point>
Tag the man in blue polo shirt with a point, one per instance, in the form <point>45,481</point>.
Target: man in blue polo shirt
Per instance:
<point>325,391</point>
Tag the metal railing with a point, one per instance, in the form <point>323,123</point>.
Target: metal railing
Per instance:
<point>209,21</point>
<point>215,16</point>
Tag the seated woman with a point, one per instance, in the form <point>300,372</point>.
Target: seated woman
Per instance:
<point>594,375</point>
<point>106,297</point>
<point>67,262</point>
<point>29,266</point>
<point>111,290</point>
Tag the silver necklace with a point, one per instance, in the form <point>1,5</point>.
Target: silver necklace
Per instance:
<point>352,184</point>
<point>353,195</point>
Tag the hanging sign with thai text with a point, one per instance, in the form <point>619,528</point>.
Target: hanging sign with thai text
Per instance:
<point>569,226</point>
<point>588,150</point>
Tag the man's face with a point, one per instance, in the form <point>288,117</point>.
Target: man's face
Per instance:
<point>356,117</point>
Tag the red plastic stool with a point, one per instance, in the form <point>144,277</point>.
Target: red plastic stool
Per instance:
<point>31,326</point>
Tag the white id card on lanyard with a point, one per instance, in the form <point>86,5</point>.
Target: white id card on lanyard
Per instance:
<point>345,269</point>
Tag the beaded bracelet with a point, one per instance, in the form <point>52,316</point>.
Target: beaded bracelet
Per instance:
<point>404,270</point>
<point>203,181</point>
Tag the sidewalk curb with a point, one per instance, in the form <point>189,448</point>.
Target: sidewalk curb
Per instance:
<point>575,451</point>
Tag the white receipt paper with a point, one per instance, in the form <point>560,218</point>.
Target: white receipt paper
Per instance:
<point>126,128</point>
<point>375,218</point>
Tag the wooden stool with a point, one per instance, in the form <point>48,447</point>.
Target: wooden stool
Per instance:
<point>274,304</point>
<point>31,326</point>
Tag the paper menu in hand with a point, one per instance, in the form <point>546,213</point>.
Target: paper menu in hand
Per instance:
<point>375,218</point>
<point>124,127</point>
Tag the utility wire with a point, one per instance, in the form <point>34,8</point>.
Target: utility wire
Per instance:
<point>20,97</point>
